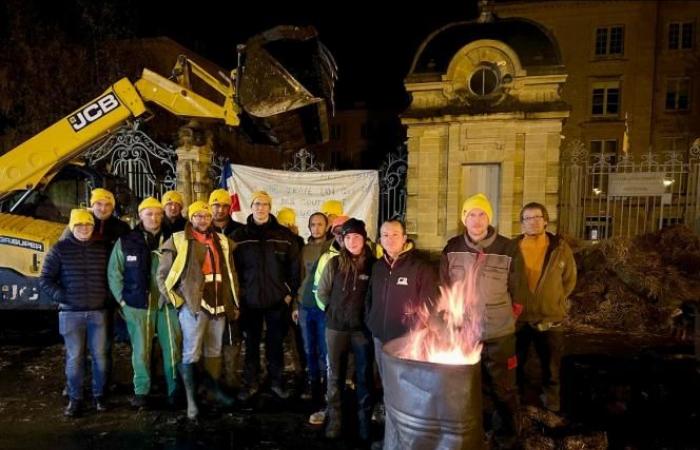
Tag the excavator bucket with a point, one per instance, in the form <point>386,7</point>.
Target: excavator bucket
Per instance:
<point>285,86</point>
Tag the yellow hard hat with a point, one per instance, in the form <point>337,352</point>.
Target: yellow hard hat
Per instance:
<point>334,207</point>
<point>286,216</point>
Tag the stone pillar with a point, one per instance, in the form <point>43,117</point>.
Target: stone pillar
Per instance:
<point>194,156</point>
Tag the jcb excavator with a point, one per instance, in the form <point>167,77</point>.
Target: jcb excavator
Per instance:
<point>282,90</point>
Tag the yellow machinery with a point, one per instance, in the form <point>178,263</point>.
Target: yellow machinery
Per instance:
<point>265,91</point>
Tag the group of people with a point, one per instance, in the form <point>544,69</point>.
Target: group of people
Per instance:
<point>190,279</point>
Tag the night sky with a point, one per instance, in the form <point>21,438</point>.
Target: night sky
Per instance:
<point>373,44</point>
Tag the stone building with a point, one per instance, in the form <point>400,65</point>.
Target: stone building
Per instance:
<point>486,116</point>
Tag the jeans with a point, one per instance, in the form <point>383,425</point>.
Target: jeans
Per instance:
<point>548,346</point>
<point>77,329</point>
<point>200,333</point>
<point>313,331</point>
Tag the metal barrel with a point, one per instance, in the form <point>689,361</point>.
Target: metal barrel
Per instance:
<point>430,406</point>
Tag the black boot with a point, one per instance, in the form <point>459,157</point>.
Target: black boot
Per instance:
<point>188,380</point>
<point>73,408</point>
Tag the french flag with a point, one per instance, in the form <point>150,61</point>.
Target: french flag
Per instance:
<point>227,173</point>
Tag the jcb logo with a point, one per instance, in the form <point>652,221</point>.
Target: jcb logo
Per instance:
<point>93,111</point>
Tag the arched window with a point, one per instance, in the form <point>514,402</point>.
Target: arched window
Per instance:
<point>483,81</point>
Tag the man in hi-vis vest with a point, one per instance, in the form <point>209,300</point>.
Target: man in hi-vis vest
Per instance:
<point>197,274</point>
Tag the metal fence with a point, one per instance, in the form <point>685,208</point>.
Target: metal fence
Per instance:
<point>604,195</point>
<point>392,186</point>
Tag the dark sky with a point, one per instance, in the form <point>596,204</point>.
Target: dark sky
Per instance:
<point>373,44</point>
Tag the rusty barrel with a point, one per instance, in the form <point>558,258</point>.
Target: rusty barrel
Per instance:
<point>430,406</point>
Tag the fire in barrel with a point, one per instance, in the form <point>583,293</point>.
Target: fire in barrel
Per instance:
<point>432,377</point>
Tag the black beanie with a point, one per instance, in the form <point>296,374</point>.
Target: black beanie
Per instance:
<point>354,226</point>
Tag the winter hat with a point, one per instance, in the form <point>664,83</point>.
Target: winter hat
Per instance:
<point>80,217</point>
<point>286,216</point>
<point>354,226</point>
<point>149,202</point>
<point>262,195</point>
<point>172,196</point>
<point>334,207</point>
<point>219,196</point>
<point>99,194</point>
<point>478,201</point>
<point>198,207</point>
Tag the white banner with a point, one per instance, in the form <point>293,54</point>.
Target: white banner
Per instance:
<point>305,192</point>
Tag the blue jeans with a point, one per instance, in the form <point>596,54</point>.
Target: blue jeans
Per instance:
<point>77,328</point>
<point>313,331</point>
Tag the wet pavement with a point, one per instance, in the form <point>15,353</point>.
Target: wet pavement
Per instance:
<point>636,391</point>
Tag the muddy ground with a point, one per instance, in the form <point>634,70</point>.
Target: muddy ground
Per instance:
<point>621,391</point>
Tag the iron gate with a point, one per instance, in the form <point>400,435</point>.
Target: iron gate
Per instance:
<point>392,186</point>
<point>130,154</point>
<point>604,195</point>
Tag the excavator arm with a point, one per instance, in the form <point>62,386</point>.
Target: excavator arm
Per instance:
<point>272,97</point>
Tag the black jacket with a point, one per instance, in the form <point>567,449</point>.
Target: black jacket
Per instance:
<point>344,293</point>
<point>267,262</point>
<point>397,291</point>
<point>74,275</point>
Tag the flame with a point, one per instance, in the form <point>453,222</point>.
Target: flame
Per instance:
<point>450,333</point>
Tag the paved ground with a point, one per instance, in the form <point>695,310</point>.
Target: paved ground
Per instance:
<point>641,391</point>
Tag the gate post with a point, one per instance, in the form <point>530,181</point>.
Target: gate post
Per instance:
<point>194,157</point>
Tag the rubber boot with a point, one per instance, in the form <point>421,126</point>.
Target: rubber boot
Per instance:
<point>213,367</point>
<point>188,380</point>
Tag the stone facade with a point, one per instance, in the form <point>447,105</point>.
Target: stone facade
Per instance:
<point>461,137</point>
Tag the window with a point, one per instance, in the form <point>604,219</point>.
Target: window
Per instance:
<point>603,150</point>
<point>680,35</point>
<point>610,41</point>
<point>483,81</point>
<point>677,94</point>
<point>605,99</point>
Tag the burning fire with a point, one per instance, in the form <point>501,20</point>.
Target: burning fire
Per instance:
<point>450,334</point>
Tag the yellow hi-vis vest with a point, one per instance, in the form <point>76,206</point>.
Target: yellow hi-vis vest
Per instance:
<point>178,266</point>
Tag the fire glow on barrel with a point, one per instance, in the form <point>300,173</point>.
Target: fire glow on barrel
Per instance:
<point>450,332</point>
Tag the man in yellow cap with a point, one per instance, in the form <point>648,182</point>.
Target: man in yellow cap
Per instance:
<point>332,209</point>
<point>220,203</point>
<point>267,259</point>
<point>490,258</point>
<point>173,220</point>
<point>132,279</point>
<point>74,276</point>
<point>196,273</point>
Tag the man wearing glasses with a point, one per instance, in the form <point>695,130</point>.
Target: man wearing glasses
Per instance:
<point>196,273</point>
<point>549,272</point>
<point>267,259</point>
